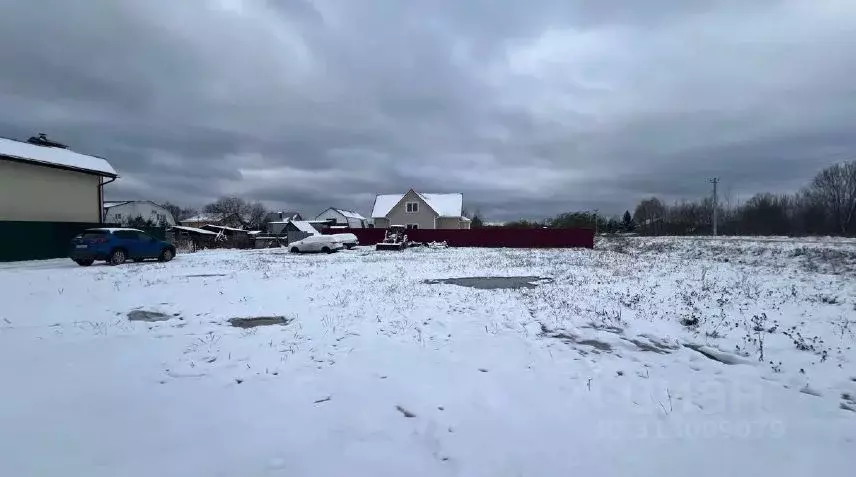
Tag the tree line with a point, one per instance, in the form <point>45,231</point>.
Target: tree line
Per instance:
<point>230,210</point>
<point>824,206</point>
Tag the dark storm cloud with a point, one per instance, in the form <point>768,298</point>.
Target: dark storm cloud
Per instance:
<point>528,108</point>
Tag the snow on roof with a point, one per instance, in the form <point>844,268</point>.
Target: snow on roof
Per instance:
<point>202,218</point>
<point>304,226</point>
<point>56,156</point>
<point>114,203</point>
<point>223,227</point>
<point>115,229</point>
<point>349,214</point>
<point>446,205</point>
<point>194,230</point>
<point>384,203</point>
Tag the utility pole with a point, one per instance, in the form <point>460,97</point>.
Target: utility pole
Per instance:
<point>595,221</point>
<point>714,181</point>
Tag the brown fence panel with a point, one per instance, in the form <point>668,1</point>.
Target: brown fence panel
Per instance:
<point>487,237</point>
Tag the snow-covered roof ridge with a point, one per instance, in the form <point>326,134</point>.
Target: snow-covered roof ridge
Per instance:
<point>114,203</point>
<point>305,226</point>
<point>349,213</point>
<point>193,229</point>
<point>55,156</point>
<point>225,227</point>
<point>203,217</point>
<point>446,205</point>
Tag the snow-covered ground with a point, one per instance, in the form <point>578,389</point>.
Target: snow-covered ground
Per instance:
<point>642,357</point>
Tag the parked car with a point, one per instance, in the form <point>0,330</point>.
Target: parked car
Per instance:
<point>316,243</point>
<point>117,245</point>
<point>348,240</point>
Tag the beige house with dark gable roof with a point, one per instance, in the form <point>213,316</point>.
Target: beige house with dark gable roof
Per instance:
<point>420,210</point>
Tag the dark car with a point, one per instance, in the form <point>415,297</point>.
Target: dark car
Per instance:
<point>117,245</point>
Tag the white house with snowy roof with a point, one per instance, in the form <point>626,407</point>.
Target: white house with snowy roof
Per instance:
<point>45,181</point>
<point>347,218</point>
<point>125,211</point>
<point>420,210</point>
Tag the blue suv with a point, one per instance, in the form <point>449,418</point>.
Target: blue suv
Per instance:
<point>117,245</point>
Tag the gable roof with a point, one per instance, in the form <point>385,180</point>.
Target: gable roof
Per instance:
<point>350,214</point>
<point>304,226</point>
<point>114,203</point>
<point>55,157</point>
<point>446,205</point>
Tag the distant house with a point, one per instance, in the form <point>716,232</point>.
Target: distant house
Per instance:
<point>417,210</point>
<point>281,227</point>
<point>281,216</point>
<point>123,212</point>
<point>347,218</point>
<point>45,181</point>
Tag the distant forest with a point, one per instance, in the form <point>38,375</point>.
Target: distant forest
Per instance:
<point>825,206</point>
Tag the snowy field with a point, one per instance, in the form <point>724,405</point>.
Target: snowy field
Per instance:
<point>648,357</point>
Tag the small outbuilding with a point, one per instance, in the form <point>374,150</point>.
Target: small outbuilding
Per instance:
<point>342,217</point>
<point>191,238</point>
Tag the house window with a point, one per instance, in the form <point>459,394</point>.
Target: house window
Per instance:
<point>118,216</point>
<point>412,207</point>
<point>412,226</point>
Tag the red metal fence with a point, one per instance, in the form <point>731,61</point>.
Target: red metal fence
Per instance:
<point>487,237</point>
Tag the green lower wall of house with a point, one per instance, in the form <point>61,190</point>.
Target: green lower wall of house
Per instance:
<point>43,240</point>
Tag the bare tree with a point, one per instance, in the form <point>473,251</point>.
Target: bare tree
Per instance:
<point>237,211</point>
<point>178,213</point>
<point>227,207</point>
<point>834,188</point>
<point>766,214</point>
<point>649,214</point>
<point>255,214</point>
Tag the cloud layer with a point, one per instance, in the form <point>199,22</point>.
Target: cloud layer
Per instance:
<point>528,108</point>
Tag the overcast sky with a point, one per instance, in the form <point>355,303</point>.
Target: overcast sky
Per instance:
<point>529,108</point>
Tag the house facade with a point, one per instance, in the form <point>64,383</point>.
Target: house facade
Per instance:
<point>44,181</point>
<point>123,212</point>
<point>342,217</point>
<point>417,210</point>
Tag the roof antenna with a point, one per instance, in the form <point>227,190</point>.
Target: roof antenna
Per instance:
<point>42,140</point>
